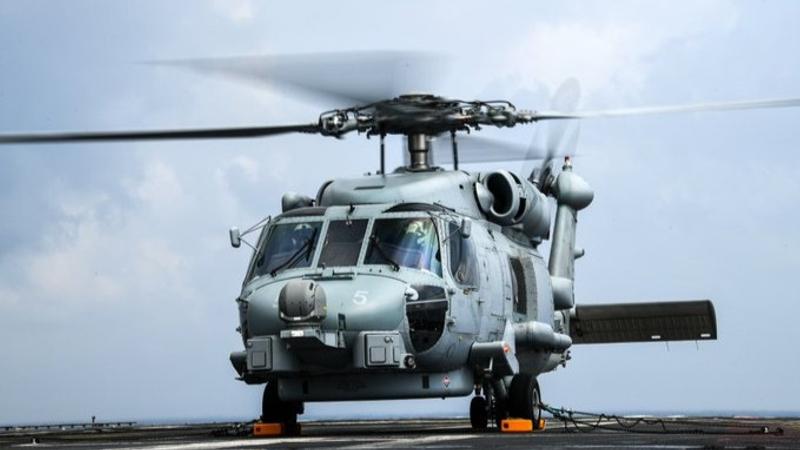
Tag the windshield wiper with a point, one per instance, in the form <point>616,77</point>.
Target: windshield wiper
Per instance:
<point>383,253</point>
<point>296,255</point>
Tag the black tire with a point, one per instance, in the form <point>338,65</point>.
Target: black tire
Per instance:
<point>478,413</point>
<point>290,425</point>
<point>525,398</point>
<point>274,410</point>
<point>270,404</point>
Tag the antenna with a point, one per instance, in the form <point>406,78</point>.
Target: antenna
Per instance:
<point>383,154</point>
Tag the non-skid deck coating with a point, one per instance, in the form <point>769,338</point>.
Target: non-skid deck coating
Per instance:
<point>431,434</point>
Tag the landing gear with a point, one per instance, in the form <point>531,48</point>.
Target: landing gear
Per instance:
<point>521,400</point>
<point>499,409</point>
<point>275,410</point>
<point>479,413</point>
<point>525,398</point>
<point>492,406</point>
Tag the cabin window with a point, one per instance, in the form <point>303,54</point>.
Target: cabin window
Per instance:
<point>405,242</point>
<point>518,286</point>
<point>288,246</point>
<point>342,243</point>
<point>463,259</point>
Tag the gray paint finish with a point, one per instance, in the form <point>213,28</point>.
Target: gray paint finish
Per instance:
<point>387,327</point>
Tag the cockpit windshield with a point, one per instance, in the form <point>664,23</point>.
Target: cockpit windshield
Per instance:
<point>288,245</point>
<point>408,242</point>
<point>342,243</point>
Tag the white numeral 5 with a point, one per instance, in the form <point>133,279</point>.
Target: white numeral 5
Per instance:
<point>360,297</point>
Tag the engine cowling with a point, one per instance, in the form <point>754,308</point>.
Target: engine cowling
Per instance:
<point>507,199</point>
<point>293,200</point>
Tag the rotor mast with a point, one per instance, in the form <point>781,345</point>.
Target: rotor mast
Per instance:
<point>419,151</point>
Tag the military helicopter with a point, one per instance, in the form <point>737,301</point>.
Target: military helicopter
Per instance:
<point>421,282</point>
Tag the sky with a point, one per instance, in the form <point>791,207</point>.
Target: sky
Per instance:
<point>117,282</point>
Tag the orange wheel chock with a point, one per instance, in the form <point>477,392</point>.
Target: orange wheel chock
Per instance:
<point>268,429</point>
<point>516,426</point>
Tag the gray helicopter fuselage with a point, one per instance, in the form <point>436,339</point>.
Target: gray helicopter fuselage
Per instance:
<point>348,322</point>
<point>424,282</point>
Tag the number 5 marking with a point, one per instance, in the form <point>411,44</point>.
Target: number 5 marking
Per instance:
<point>360,297</point>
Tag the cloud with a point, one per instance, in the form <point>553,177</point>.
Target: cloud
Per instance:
<point>159,187</point>
<point>97,250</point>
<point>612,48</point>
<point>135,267</point>
<point>239,169</point>
<point>235,10</point>
<point>74,270</point>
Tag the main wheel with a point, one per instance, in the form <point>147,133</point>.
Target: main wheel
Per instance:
<point>478,413</point>
<point>272,408</point>
<point>525,398</point>
<point>275,410</point>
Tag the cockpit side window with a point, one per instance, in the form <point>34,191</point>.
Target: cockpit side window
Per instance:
<point>519,285</point>
<point>288,246</point>
<point>343,243</point>
<point>463,259</point>
<point>407,242</point>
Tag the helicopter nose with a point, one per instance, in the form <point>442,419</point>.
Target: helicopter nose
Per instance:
<point>366,303</point>
<point>343,303</point>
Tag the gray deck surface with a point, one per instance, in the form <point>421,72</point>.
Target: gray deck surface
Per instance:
<point>431,434</point>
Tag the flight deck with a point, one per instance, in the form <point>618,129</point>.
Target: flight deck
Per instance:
<point>671,433</point>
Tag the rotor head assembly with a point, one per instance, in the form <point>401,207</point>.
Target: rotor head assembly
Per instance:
<point>376,85</point>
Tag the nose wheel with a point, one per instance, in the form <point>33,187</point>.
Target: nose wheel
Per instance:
<point>479,413</point>
<point>275,410</point>
<point>486,408</point>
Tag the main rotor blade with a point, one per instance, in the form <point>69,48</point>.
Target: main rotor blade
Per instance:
<point>476,149</point>
<point>565,99</point>
<point>356,78</point>
<point>721,106</point>
<point>203,133</point>
<point>560,136</point>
